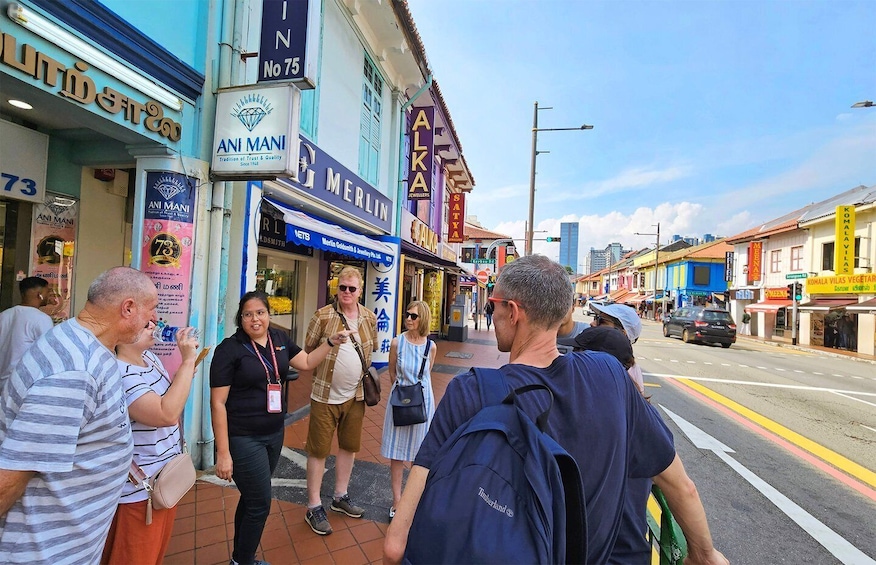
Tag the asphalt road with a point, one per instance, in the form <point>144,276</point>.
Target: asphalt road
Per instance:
<point>780,443</point>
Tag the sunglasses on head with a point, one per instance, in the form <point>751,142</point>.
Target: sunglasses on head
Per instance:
<point>411,315</point>
<point>345,288</point>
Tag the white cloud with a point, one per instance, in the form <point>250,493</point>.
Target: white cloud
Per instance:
<point>637,177</point>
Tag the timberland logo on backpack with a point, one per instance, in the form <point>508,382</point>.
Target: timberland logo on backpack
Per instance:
<point>495,503</point>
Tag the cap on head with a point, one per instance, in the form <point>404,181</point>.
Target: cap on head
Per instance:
<point>607,339</point>
<point>625,315</point>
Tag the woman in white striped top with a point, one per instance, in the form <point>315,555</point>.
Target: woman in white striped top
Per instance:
<point>155,404</point>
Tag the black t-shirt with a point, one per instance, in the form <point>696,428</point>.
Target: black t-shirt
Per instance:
<point>236,365</point>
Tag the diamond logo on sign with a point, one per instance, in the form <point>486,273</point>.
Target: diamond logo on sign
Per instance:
<point>169,187</point>
<point>251,110</point>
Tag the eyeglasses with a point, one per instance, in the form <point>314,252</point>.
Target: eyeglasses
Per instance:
<point>345,288</point>
<point>411,315</point>
<point>256,314</point>
<point>495,299</point>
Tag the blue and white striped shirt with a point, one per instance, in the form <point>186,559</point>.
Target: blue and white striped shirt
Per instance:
<point>63,415</point>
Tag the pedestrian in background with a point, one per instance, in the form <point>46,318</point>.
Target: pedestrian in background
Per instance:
<point>337,399</point>
<point>623,318</point>
<point>69,462</point>
<point>411,357</point>
<point>22,325</point>
<point>155,405</point>
<point>248,406</point>
<point>488,312</point>
<point>746,323</point>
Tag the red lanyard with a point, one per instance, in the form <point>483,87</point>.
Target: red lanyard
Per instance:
<point>273,355</point>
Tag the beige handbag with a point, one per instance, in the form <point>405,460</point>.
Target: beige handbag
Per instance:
<point>170,484</point>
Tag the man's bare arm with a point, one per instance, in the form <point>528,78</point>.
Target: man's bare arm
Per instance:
<point>684,501</point>
<point>12,485</point>
<point>397,535</point>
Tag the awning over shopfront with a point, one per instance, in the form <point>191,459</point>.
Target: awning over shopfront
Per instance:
<point>827,304</point>
<point>413,252</point>
<point>307,230</point>
<point>866,306</point>
<point>639,298</point>
<point>600,297</point>
<point>771,306</point>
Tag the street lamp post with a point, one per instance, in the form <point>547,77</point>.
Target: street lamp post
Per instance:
<point>864,104</point>
<point>656,265</point>
<point>535,129</point>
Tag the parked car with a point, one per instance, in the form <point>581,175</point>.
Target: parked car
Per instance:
<point>701,324</point>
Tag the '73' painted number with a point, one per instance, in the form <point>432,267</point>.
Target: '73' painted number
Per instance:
<point>29,188</point>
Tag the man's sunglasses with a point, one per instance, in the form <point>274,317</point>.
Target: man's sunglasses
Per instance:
<point>411,315</point>
<point>345,288</point>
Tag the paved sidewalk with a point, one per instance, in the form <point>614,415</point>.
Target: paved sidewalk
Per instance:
<point>205,518</point>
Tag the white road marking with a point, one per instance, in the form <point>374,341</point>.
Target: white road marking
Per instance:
<point>673,360</point>
<point>764,368</point>
<point>869,428</point>
<point>725,364</point>
<point>859,378</point>
<point>817,373</point>
<point>762,384</point>
<point>832,541</point>
<point>835,375</point>
<point>707,363</point>
<point>778,369</point>
<point>691,362</point>
<point>745,366</point>
<point>853,398</point>
<point>798,371</point>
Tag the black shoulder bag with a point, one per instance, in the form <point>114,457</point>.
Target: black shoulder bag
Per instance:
<point>408,402</point>
<point>370,378</point>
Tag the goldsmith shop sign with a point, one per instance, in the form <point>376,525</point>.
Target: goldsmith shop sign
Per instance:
<point>75,84</point>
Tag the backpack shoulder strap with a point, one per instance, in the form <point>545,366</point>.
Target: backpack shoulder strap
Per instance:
<point>492,385</point>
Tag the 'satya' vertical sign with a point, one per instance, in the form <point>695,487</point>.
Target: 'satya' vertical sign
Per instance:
<point>422,154</point>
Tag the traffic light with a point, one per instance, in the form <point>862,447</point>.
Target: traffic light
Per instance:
<point>552,239</point>
<point>798,291</point>
<point>790,291</point>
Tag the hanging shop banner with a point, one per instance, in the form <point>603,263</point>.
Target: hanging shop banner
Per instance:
<point>23,157</point>
<point>844,248</point>
<point>433,286</point>
<point>53,245</point>
<point>289,42</point>
<point>842,284</point>
<point>728,266</point>
<point>755,248</point>
<point>256,135</point>
<point>456,219</point>
<point>382,299</point>
<point>319,175</point>
<point>168,250</point>
<point>422,154</point>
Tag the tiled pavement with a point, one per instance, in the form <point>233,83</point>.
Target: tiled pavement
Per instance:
<point>205,518</point>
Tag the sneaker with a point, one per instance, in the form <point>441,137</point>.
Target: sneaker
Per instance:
<point>345,505</point>
<point>318,521</point>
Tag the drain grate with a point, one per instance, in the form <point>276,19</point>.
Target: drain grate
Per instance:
<point>458,355</point>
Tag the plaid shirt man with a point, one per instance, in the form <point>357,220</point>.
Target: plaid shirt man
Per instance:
<point>326,322</point>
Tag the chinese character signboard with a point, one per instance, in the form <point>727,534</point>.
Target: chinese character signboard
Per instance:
<point>456,218</point>
<point>381,297</point>
<point>168,251</point>
<point>844,248</point>
<point>422,153</point>
<point>755,248</point>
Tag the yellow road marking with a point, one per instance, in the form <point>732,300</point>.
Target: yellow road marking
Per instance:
<point>850,467</point>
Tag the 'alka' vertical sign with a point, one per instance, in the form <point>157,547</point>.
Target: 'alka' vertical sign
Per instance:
<point>422,154</point>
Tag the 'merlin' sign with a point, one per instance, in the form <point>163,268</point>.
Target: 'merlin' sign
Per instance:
<point>754,261</point>
<point>422,154</point>
<point>844,249</point>
<point>455,230</point>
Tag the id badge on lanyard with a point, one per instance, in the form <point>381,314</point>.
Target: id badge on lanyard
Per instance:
<point>275,399</point>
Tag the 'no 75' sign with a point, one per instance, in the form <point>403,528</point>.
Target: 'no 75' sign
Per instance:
<point>288,41</point>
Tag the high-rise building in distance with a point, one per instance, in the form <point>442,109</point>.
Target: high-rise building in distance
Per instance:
<point>569,245</point>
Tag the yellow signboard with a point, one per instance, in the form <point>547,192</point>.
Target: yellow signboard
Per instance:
<point>844,248</point>
<point>842,284</point>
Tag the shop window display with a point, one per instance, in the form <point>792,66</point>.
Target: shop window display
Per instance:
<point>278,278</point>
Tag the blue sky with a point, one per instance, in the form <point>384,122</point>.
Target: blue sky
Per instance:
<point>710,116</point>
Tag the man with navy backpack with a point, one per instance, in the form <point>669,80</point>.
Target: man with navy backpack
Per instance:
<point>598,416</point>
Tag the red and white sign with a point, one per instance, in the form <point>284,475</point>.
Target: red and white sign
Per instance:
<point>483,276</point>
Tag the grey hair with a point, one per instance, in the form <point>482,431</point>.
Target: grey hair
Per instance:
<point>116,284</point>
<point>541,286</point>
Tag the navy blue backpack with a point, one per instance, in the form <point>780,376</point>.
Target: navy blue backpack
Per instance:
<point>501,490</point>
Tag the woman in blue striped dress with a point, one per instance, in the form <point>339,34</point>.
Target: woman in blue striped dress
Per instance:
<point>406,353</point>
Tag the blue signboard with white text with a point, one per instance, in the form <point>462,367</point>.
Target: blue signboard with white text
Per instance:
<point>285,53</point>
